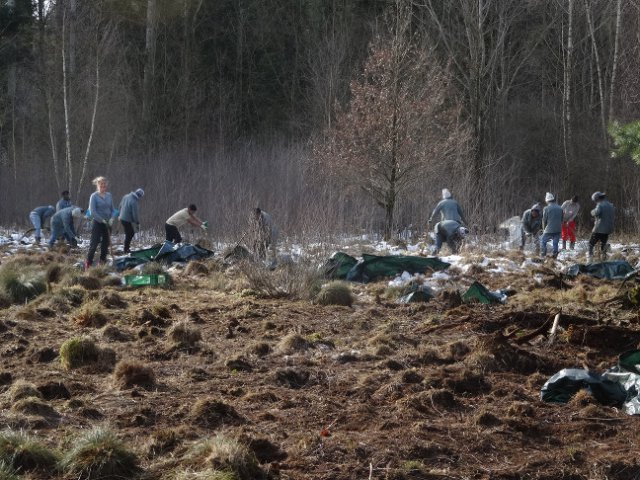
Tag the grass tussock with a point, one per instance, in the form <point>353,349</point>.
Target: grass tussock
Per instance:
<point>225,454</point>
<point>7,472</point>
<point>212,413</point>
<point>78,351</point>
<point>335,293</point>
<point>131,373</point>
<point>293,343</point>
<point>86,281</point>
<point>208,474</point>
<point>153,268</point>
<point>22,452</point>
<point>184,336</point>
<point>90,315</point>
<point>21,285</point>
<point>66,298</point>
<point>5,300</point>
<point>34,406</point>
<point>196,268</point>
<point>22,389</point>
<point>99,454</point>
<point>299,281</point>
<point>112,300</point>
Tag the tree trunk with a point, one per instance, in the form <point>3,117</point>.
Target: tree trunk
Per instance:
<point>65,98</point>
<point>566,102</point>
<point>150,53</point>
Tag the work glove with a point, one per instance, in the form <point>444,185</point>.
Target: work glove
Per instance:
<point>110,222</point>
<point>203,226</point>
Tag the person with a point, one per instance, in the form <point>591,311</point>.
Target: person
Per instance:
<point>39,217</point>
<point>531,225</point>
<point>178,219</point>
<point>64,202</point>
<point>551,225</point>
<point>451,232</point>
<point>129,217</point>
<point>265,234</point>
<point>447,208</point>
<point>604,216</point>
<point>101,207</point>
<point>570,209</point>
<point>62,225</point>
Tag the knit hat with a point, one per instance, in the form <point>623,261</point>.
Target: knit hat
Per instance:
<point>77,212</point>
<point>446,193</point>
<point>536,206</point>
<point>139,193</point>
<point>597,195</point>
<point>549,197</point>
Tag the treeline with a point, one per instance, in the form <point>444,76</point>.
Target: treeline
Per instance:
<point>222,103</point>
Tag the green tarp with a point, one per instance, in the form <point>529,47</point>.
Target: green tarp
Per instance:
<point>616,270</point>
<point>417,293</point>
<point>479,293</point>
<point>372,267</point>
<point>338,265</point>
<point>166,253</point>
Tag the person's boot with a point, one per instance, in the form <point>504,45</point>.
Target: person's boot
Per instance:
<point>572,245</point>
<point>590,254</point>
<point>555,255</point>
<point>564,244</point>
<point>38,240</point>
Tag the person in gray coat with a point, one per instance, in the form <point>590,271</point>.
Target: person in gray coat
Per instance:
<point>531,226</point>
<point>39,217</point>
<point>265,234</point>
<point>451,232</point>
<point>604,216</point>
<point>62,225</point>
<point>129,216</point>
<point>448,209</point>
<point>64,202</point>
<point>551,225</point>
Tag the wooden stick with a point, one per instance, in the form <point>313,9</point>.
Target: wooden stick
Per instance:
<point>554,328</point>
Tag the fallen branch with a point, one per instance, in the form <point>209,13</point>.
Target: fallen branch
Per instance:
<point>530,336</point>
<point>554,329</point>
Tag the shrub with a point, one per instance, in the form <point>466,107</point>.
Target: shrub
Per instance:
<point>227,455</point>
<point>22,452</point>
<point>295,281</point>
<point>130,373</point>
<point>182,335</point>
<point>21,285</point>
<point>78,351</point>
<point>335,293</point>
<point>99,454</point>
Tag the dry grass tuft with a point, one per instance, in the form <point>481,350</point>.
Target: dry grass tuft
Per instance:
<point>80,351</point>
<point>335,293</point>
<point>486,419</point>
<point>292,343</point>
<point>99,454</point>
<point>163,441</point>
<point>22,389</point>
<point>581,399</point>
<point>114,334</point>
<point>184,336</point>
<point>90,315</point>
<point>21,284</point>
<point>212,413</point>
<point>227,455</point>
<point>153,268</point>
<point>86,281</point>
<point>112,300</point>
<point>295,281</point>
<point>131,373</point>
<point>195,268</point>
<point>23,452</point>
<point>34,406</point>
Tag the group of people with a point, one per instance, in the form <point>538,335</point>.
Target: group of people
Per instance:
<point>103,214</point>
<point>554,222</point>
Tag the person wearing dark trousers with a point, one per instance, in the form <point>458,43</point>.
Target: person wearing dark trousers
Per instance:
<point>101,207</point>
<point>178,219</point>
<point>604,216</point>
<point>129,217</point>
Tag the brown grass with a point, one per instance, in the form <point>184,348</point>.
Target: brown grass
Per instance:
<point>90,315</point>
<point>292,343</point>
<point>184,336</point>
<point>132,373</point>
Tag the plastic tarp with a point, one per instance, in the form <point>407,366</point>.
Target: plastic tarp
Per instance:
<point>165,253</point>
<point>618,386</point>
<point>480,294</point>
<point>417,293</point>
<point>338,265</point>
<point>373,266</point>
<point>615,270</point>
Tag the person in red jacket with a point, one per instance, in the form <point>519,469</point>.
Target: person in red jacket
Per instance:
<point>570,209</point>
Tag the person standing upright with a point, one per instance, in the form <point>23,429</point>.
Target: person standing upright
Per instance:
<point>604,217</point>
<point>551,225</point>
<point>101,207</point>
<point>129,216</point>
<point>570,209</point>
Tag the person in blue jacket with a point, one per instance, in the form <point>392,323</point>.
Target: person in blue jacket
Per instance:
<point>129,216</point>
<point>39,217</point>
<point>62,225</point>
<point>101,207</point>
<point>64,202</point>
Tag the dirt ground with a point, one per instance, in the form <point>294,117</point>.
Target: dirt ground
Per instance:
<point>379,390</point>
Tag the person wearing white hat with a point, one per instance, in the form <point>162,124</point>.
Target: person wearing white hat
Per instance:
<point>551,225</point>
<point>448,209</point>
<point>129,216</point>
<point>604,216</point>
